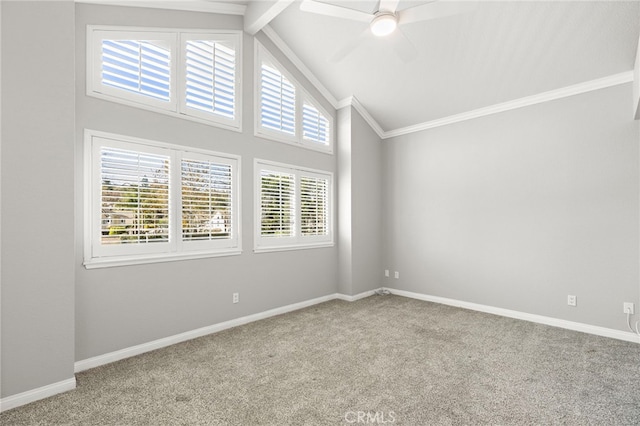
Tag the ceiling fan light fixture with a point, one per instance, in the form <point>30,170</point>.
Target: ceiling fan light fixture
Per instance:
<point>384,24</point>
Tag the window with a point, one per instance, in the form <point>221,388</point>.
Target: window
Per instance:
<point>293,207</point>
<point>277,101</point>
<point>192,75</point>
<point>284,111</point>
<point>315,126</point>
<point>148,201</point>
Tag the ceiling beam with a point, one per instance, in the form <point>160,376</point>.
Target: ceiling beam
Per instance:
<point>259,13</point>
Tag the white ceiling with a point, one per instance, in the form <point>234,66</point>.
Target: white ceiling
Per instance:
<point>503,50</point>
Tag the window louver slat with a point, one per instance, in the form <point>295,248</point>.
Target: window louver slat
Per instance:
<point>315,126</point>
<point>206,201</point>
<point>313,206</point>
<point>138,66</point>
<point>278,101</point>
<point>134,197</point>
<point>277,204</point>
<point>211,77</point>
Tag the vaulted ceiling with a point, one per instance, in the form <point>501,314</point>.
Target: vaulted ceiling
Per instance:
<point>500,51</point>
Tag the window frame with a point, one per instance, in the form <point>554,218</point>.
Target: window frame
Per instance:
<point>95,256</point>
<point>177,38</point>
<point>262,54</point>
<point>297,241</point>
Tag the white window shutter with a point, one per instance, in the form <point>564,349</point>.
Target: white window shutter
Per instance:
<point>314,206</point>
<point>315,126</point>
<point>211,77</point>
<point>278,101</point>
<point>137,66</point>
<point>206,200</point>
<point>134,198</point>
<point>277,204</point>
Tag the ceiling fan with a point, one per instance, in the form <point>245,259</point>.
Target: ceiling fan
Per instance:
<point>386,20</point>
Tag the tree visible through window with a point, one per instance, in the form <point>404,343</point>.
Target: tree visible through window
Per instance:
<point>149,200</point>
<point>277,200</point>
<point>135,197</point>
<point>206,200</point>
<point>293,207</point>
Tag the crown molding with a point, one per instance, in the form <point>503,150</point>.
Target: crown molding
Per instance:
<point>355,103</point>
<point>297,62</point>
<point>576,89</point>
<point>189,5</point>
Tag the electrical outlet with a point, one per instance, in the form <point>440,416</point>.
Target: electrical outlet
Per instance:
<point>236,297</point>
<point>572,300</point>
<point>386,273</point>
<point>628,308</point>
<point>396,274</point>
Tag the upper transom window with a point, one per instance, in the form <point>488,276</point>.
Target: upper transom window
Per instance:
<point>190,74</point>
<point>285,111</point>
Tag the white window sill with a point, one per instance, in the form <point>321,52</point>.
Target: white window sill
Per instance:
<point>289,247</point>
<point>284,138</point>
<point>222,123</point>
<point>109,262</point>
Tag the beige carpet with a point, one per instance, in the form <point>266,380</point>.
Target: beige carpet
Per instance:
<point>381,360</point>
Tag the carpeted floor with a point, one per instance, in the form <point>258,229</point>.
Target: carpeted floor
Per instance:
<point>380,360</point>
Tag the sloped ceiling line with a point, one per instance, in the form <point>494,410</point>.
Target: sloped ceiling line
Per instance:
<point>267,13</point>
<point>295,60</point>
<point>576,89</point>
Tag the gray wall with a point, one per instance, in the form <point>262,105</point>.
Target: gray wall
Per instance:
<point>519,209</point>
<point>359,209</point>
<point>366,215</point>
<point>37,194</point>
<point>124,306</point>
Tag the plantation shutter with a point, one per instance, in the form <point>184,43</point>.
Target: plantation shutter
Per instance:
<point>138,66</point>
<point>206,200</point>
<point>314,206</point>
<point>210,77</point>
<point>315,126</point>
<point>278,101</point>
<point>134,197</point>
<point>277,202</point>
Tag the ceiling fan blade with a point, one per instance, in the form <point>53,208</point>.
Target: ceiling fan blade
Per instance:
<point>334,11</point>
<point>349,47</point>
<point>388,5</point>
<point>433,10</point>
<point>403,47</point>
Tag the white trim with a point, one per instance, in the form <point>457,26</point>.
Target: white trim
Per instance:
<point>189,5</point>
<point>258,14</point>
<point>97,256</point>
<point>355,297</point>
<point>262,55</point>
<point>295,60</point>
<point>539,319</point>
<point>108,262</point>
<point>355,103</point>
<point>564,92</point>
<point>176,105</point>
<point>37,394</point>
<point>296,240</point>
<point>199,332</point>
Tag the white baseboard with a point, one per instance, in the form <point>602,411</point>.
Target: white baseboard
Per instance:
<point>33,395</point>
<point>540,319</point>
<point>355,297</point>
<point>177,338</point>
